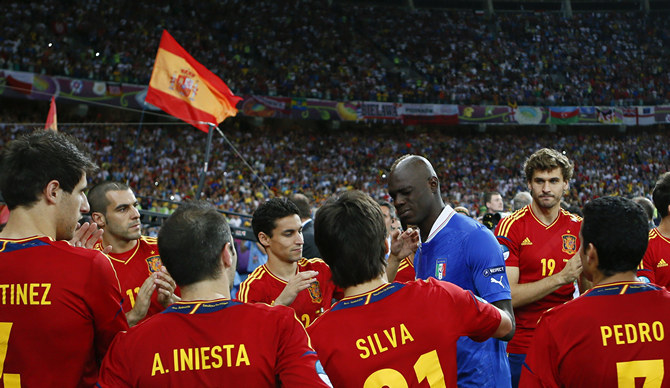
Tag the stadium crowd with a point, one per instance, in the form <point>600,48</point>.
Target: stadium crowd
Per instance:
<point>166,162</point>
<point>322,49</point>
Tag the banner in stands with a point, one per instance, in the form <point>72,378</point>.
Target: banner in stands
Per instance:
<point>22,85</point>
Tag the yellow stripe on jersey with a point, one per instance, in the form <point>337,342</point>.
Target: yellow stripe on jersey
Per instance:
<point>243,293</point>
<point>506,223</point>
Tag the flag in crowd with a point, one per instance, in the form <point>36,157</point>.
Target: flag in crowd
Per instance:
<point>186,89</point>
<point>52,122</point>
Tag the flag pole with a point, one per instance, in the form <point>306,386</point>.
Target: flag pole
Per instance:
<point>137,140</point>
<point>210,134</point>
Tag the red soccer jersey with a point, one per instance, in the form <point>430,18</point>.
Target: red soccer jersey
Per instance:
<point>615,335</point>
<point>263,286</point>
<point>655,264</point>
<point>405,271</point>
<point>219,343</point>
<point>133,267</point>
<point>538,250</point>
<point>384,338</point>
<point>60,310</point>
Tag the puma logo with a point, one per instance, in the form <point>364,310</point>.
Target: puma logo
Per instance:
<point>493,280</point>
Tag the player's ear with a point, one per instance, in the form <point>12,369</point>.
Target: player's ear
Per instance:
<point>434,183</point>
<point>226,256</point>
<point>264,239</point>
<point>52,191</point>
<point>98,218</point>
<point>591,255</point>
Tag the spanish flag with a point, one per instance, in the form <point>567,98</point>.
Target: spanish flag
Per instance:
<point>52,122</point>
<point>185,89</point>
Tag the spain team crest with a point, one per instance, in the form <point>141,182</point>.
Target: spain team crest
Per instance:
<point>154,263</point>
<point>315,292</point>
<point>185,84</point>
<point>569,244</point>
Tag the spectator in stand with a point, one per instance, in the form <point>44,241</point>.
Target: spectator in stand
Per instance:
<point>521,199</point>
<point>648,207</point>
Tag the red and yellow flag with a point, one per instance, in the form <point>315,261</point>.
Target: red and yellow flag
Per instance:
<point>52,122</point>
<point>185,89</point>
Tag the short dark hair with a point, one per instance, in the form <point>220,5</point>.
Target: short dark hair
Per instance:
<point>30,162</point>
<point>266,215</point>
<point>302,202</point>
<point>547,159</point>
<point>97,196</point>
<point>488,195</point>
<point>619,230</point>
<point>661,194</point>
<point>190,242</point>
<point>350,233</point>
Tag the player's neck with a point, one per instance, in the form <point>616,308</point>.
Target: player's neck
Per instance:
<point>118,245</point>
<point>427,225</point>
<point>24,223</point>
<point>210,289</point>
<point>664,227</point>
<point>280,268</point>
<point>546,215</point>
<point>600,278</point>
<point>365,287</point>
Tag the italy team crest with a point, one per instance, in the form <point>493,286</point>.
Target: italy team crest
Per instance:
<point>440,269</point>
<point>569,244</point>
<point>154,263</point>
<point>315,292</point>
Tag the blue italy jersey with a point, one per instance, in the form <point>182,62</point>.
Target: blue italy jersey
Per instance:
<point>462,251</point>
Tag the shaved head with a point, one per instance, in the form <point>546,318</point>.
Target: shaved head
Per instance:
<point>415,163</point>
<point>415,190</point>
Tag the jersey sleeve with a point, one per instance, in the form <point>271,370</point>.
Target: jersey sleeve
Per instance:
<point>114,371</point>
<point>405,271</point>
<point>480,319</point>
<point>539,369</point>
<point>105,303</point>
<point>505,233</point>
<point>251,291</point>
<point>645,271</point>
<point>298,364</point>
<point>487,266</point>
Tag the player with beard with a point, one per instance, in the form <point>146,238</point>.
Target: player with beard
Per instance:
<point>60,305</point>
<point>542,244</point>
<point>145,283</point>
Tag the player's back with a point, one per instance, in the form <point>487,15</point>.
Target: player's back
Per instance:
<point>400,332</point>
<point>612,335</point>
<point>60,311</point>
<point>220,343</point>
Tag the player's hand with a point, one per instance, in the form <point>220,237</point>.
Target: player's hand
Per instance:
<point>165,286</point>
<point>87,235</point>
<point>572,270</point>
<point>404,244</point>
<point>142,300</point>
<point>297,283</point>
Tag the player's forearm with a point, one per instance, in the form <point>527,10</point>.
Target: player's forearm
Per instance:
<point>526,293</point>
<point>133,317</point>
<point>392,267</point>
